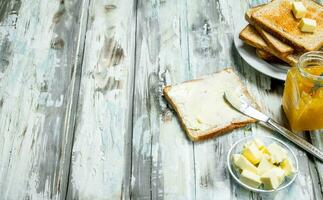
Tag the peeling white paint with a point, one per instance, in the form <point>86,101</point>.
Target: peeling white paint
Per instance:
<point>30,135</point>
<point>98,154</point>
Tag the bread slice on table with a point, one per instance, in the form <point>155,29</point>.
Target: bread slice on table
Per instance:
<point>201,108</point>
<point>251,36</point>
<point>277,18</point>
<point>271,40</point>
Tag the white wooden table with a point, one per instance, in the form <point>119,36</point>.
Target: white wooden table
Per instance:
<point>81,111</point>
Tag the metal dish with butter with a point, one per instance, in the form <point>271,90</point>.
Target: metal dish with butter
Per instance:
<point>237,148</point>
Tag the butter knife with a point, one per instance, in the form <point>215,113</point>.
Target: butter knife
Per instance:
<point>245,108</point>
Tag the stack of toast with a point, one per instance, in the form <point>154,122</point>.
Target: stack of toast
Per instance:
<point>274,31</point>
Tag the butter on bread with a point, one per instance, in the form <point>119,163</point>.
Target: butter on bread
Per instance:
<point>277,18</point>
<point>307,25</point>
<point>201,108</point>
<point>271,40</point>
<point>298,9</point>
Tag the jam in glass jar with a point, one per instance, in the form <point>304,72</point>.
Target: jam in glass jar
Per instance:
<point>303,93</point>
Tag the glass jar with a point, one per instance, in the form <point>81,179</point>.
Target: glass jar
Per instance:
<point>303,93</point>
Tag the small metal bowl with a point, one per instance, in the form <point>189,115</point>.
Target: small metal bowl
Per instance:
<point>238,147</point>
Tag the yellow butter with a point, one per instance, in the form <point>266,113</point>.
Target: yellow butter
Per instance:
<point>265,153</point>
<point>250,178</point>
<point>252,153</point>
<point>259,143</point>
<point>264,150</point>
<point>273,178</point>
<point>288,167</point>
<point>307,25</point>
<point>298,9</point>
<point>264,166</point>
<point>277,153</point>
<point>242,162</point>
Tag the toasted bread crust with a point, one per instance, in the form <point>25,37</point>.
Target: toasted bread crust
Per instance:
<point>250,36</point>
<point>192,134</point>
<point>285,27</point>
<point>271,41</point>
<point>274,43</point>
<point>265,55</point>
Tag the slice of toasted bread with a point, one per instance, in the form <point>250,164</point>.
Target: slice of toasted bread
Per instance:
<point>271,40</point>
<point>250,36</point>
<point>201,108</point>
<point>275,43</point>
<point>265,55</point>
<point>277,18</point>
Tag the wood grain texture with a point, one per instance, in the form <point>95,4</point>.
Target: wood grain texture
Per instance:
<point>210,46</point>
<point>103,124</point>
<point>162,165</point>
<point>81,109</point>
<point>317,172</point>
<point>38,46</point>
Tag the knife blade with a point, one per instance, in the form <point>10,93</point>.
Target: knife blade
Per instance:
<point>243,106</point>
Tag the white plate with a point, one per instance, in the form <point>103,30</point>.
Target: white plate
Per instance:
<point>248,53</point>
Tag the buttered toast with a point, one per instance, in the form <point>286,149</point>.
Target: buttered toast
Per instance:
<point>201,108</point>
<point>277,19</point>
<point>271,40</point>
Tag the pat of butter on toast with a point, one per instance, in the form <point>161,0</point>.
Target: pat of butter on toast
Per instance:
<point>308,25</point>
<point>277,18</point>
<point>298,9</point>
<point>201,108</point>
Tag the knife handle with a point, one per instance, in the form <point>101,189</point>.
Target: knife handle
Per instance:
<point>297,140</point>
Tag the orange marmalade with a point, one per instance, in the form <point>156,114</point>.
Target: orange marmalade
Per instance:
<point>303,93</point>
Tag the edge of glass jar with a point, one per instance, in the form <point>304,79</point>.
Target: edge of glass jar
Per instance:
<point>307,56</point>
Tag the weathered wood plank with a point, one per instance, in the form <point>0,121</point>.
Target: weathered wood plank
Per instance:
<point>162,166</point>
<point>210,44</point>
<point>103,126</point>
<point>210,51</point>
<point>317,140</point>
<point>38,46</point>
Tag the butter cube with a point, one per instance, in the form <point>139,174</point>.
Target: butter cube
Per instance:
<point>259,143</point>
<point>307,25</point>
<point>265,153</point>
<point>250,178</point>
<point>288,167</point>
<point>252,153</point>
<point>277,153</point>
<point>273,178</point>
<point>298,9</point>
<point>247,144</point>
<point>266,156</point>
<point>264,150</point>
<point>243,163</point>
<point>264,166</point>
